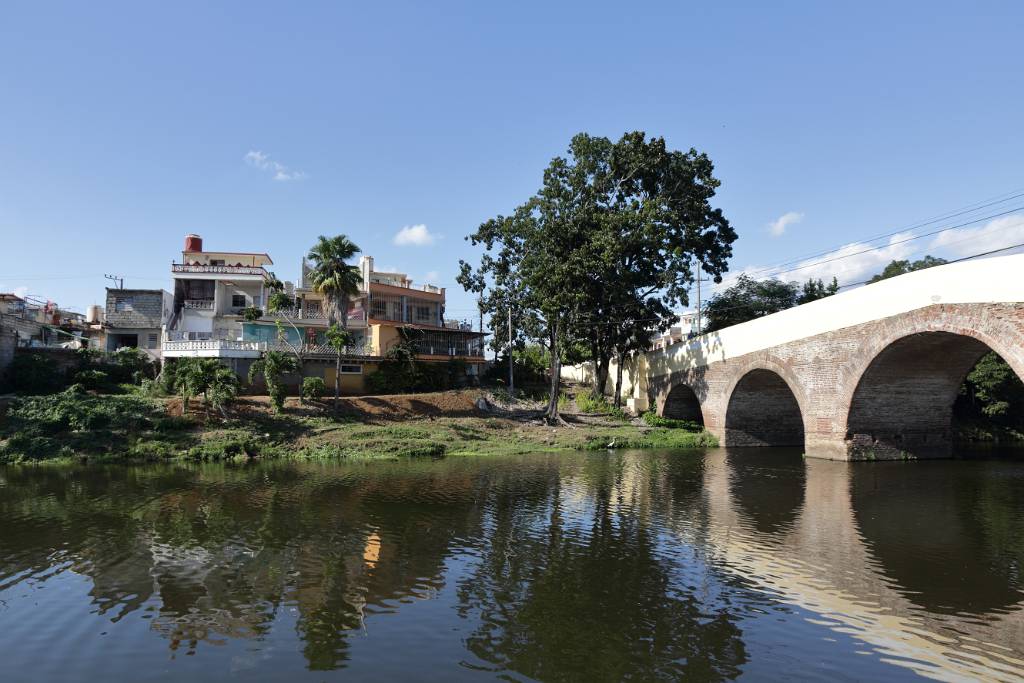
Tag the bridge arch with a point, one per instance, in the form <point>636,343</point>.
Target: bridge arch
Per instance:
<point>682,403</point>
<point>902,403</point>
<point>764,407</point>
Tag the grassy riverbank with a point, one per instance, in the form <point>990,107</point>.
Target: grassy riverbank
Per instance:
<point>76,425</point>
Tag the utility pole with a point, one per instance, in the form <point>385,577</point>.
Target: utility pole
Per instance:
<point>116,278</point>
<point>511,375</point>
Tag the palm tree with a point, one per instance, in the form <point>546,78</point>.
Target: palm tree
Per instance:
<point>338,282</point>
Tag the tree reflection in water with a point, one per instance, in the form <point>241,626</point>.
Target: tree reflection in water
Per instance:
<point>569,593</point>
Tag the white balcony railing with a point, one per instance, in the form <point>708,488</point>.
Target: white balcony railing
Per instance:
<point>213,345</point>
<point>218,270</point>
<point>199,304</point>
<point>178,335</point>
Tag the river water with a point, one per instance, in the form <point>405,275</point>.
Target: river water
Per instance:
<point>639,565</point>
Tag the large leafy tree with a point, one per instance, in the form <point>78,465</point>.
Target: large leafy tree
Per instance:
<point>603,251</point>
<point>338,282</point>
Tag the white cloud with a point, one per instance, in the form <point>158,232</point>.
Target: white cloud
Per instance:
<point>414,235</point>
<point>858,261</point>
<point>263,162</point>
<point>1001,232</point>
<point>778,226</point>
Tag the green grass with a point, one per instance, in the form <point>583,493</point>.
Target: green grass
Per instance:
<point>76,425</point>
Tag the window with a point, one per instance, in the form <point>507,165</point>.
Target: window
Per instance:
<point>423,314</point>
<point>124,304</point>
<point>153,340</point>
<point>238,300</point>
<point>378,309</point>
<point>351,369</point>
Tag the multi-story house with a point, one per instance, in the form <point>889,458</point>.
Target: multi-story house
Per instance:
<point>213,290</point>
<point>136,318</point>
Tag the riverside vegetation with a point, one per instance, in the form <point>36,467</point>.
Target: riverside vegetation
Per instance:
<point>195,413</point>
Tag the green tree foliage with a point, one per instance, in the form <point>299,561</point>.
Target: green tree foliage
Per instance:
<point>748,299</point>
<point>992,392</point>
<point>333,277</point>
<point>274,365</point>
<point>605,246</point>
<point>817,289</point>
<point>903,267</point>
<point>206,377</point>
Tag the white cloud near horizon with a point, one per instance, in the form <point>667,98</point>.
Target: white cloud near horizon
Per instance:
<point>414,235</point>
<point>859,261</point>
<point>263,162</point>
<point>777,227</point>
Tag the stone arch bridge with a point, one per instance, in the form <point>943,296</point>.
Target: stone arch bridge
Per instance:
<point>868,374</point>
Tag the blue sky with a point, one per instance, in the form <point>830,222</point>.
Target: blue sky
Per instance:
<point>124,126</point>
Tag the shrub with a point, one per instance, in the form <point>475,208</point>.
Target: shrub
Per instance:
<point>92,379</point>
<point>313,388</point>
<point>655,420</point>
<point>592,402</point>
<point>74,422</point>
<point>34,373</point>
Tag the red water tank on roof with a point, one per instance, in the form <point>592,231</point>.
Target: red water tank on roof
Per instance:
<point>193,243</point>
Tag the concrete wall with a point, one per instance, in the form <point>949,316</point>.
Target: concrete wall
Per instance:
<point>149,308</point>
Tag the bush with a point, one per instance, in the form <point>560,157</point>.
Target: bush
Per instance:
<point>34,374</point>
<point>592,402</point>
<point>74,422</point>
<point>655,420</point>
<point>313,388</point>
<point>92,379</point>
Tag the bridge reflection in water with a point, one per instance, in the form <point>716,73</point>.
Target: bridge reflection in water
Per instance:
<point>905,557</point>
<point>679,565</point>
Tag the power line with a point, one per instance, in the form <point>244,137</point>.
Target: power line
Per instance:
<point>970,208</point>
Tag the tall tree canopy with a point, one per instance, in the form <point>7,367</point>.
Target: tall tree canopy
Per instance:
<point>903,267</point>
<point>604,251</point>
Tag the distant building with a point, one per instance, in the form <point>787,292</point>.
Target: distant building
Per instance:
<point>683,329</point>
<point>136,318</point>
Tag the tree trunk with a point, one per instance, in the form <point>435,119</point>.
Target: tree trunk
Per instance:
<point>601,378</point>
<point>556,367</point>
<point>618,380</point>
<point>337,383</point>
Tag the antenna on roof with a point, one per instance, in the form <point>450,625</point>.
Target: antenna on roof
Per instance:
<point>116,278</point>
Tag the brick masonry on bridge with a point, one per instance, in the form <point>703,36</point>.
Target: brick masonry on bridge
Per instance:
<point>882,389</point>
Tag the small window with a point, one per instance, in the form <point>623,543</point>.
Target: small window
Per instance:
<point>238,300</point>
<point>351,369</point>
<point>217,262</point>
<point>153,341</point>
<point>124,304</point>
<point>423,314</point>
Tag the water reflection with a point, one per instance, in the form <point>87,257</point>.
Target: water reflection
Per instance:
<point>568,567</point>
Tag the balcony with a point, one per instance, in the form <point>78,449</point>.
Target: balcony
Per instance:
<point>218,270</point>
<point>213,348</point>
<point>198,304</point>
